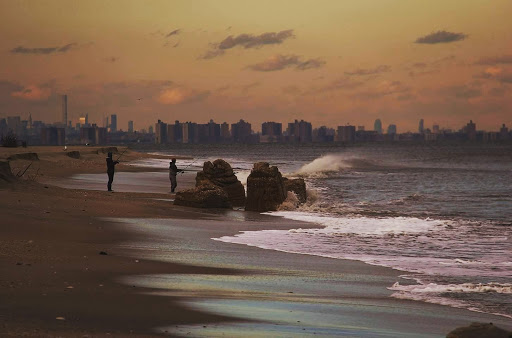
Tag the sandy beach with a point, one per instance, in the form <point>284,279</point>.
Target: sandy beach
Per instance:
<point>161,272</point>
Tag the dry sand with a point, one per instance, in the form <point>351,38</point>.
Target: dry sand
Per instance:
<point>54,282</point>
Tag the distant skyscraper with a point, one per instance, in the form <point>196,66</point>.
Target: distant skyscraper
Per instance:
<point>113,123</point>
<point>421,128</point>
<point>346,134</point>
<point>392,129</point>
<point>64,119</point>
<point>471,130</point>
<point>377,126</point>
<point>435,129</point>
<point>130,126</point>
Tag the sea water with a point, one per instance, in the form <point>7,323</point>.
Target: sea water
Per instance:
<point>440,213</point>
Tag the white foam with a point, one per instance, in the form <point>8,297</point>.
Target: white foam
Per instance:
<point>364,225</point>
<point>504,288</point>
<point>327,163</point>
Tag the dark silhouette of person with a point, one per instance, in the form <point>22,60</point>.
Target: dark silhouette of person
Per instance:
<point>173,171</point>
<point>111,168</point>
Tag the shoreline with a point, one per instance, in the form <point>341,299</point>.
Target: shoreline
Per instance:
<point>30,289</point>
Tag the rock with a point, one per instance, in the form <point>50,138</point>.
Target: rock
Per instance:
<point>203,196</point>
<point>298,186</point>
<point>73,154</point>
<point>220,174</point>
<point>5,172</point>
<point>24,156</point>
<point>265,188</point>
<point>106,150</point>
<point>479,330</point>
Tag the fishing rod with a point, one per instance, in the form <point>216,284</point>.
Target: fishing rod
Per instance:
<point>197,159</point>
<point>122,154</point>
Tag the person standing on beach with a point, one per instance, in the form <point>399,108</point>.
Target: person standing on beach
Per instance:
<point>173,171</point>
<point>111,168</point>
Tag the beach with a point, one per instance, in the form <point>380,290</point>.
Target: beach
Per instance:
<point>162,273</point>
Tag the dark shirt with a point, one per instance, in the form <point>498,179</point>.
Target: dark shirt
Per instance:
<point>173,170</point>
<point>111,164</point>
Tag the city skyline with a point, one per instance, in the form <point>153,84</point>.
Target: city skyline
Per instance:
<point>330,63</point>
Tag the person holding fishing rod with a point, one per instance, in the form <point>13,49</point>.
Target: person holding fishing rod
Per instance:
<point>173,171</point>
<point>111,168</point>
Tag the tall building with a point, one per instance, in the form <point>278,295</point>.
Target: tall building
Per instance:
<point>300,131</point>
<point>435,129</point>
<point>130,126</point>
<point>53,136</point>
<point>504,132</point>
<point>225,134</point>
<point>160,132</point>
<point>64,119</point>
<point>392,129</point>
<point>377,126</point>
<point>471,130</point>
<point>421,128</point>
<point>241,131</point>
<point>346,134</point>
<point>113,123</point>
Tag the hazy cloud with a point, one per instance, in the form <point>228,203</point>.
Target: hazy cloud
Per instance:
<point>498,91</point>
<point>461,92</point>
<point>371,71</point>
<point>441,37</point>
<point>504,59</point>
<point>174,32</point>
<point>211,54</point>
<point>311,64</point>
<point>111,59</point>
<point>495,73</point>
<point>339,84</point>
<point>33,93</point>
<point>248,41</point>
<point>420,65</point>
<point>253,41</point>
<point>384,88</point>
<point>43,50</point>
<point>279,62</point>
<point>179,95</point>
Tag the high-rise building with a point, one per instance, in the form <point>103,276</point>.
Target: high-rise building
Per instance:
<point>113,123</point>
<point>421,128</point>
<point>377,126</point>
<point>130,126</point>
<point>392,129</point>
<point>160,132</point>
<point>471,130</point>
<point>504,132</point>
<point>64,119</point>
<point>435,129</point>
<point>346,134</point>
<point>241,131</point>
<point>300,131</point>
<point>225,134</point>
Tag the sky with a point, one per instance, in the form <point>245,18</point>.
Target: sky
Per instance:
<point>330,62</point>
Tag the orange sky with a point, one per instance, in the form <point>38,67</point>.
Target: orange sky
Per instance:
<point>328,62</point>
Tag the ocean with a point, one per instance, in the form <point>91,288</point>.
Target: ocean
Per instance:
<point>441,214</point>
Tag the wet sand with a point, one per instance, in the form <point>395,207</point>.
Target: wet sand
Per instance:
<point>162,271</point>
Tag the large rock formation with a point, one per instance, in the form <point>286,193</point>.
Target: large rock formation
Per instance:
<point>265,188</point>
<point>24,156</point>
<point>5,172</point>
<point>298,186</point>
<point>220,174</point>
<point>479,330</point>
<point>203,196</point>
